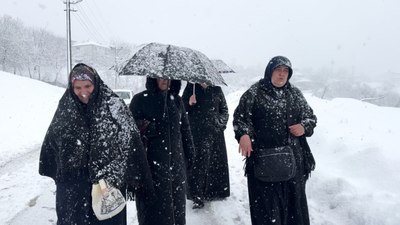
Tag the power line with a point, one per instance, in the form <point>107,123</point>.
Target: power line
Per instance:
<point>88,28</point>
<point>94,27</point>
<point>98,17</point>
<point>92,34</point>
<point>101,17</point>
<point>91,23</point>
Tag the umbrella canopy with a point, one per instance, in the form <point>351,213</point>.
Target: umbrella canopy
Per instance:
<point>172,62</point>
<point>221,66</point>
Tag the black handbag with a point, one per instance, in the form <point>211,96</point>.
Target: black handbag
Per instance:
<point>274,164</point>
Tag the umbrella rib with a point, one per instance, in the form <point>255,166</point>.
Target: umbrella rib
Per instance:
<point>166,60</point>
<point>200,64</point>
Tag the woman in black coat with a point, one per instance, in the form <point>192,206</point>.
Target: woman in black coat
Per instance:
<point>269,114</point>
<point>161,117</point>
<point>208,114</point>
<point>92,136</point>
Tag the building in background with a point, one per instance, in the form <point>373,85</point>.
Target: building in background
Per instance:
<point>92,53</point>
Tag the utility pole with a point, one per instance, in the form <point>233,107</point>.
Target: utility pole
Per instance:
<point>116,50</point>
<point>68,13</point>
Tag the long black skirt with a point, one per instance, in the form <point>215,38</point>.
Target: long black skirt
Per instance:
<point>167,208</point>
<point>210,178</point>
<point>279,203</point>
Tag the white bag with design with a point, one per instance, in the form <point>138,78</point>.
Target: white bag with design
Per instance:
<point>107,201</point>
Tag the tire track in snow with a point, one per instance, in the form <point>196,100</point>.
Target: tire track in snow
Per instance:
<point>21,189</point>
<point>15,163</point>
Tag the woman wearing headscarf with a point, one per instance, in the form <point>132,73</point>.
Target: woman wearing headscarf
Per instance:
<point>161,117</point>
<point>92,136</point>
<point>208,115</point>
<point>275,113</point>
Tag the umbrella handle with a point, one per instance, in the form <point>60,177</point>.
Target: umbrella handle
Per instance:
<point>193,96</point>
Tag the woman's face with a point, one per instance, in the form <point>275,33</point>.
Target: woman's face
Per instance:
<point>280,76</point>
<point>204,85</point>
<point>162,84</point>
<point>83,89</point>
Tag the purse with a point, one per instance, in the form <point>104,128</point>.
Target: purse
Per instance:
<point>107,201</point>
<point>274,164</point>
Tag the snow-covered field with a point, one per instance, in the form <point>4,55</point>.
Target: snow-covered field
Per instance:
<point>356,181</point>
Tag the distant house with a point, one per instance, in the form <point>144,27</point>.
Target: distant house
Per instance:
<point>302,81</point>
<point>394,76</point>
<point>221,66</point>
<point>91,53</point>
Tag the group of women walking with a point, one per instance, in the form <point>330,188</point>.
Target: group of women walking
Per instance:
<point>165,149</point>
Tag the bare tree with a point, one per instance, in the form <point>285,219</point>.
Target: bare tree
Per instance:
<point>35,52</point>
<point>11,31</point>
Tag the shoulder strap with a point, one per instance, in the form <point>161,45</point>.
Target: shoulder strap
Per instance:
<point>287,117</point>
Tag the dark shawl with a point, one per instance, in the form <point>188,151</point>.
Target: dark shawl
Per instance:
<point>93,141</point>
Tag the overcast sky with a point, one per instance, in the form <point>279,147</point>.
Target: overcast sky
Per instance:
<point>361,36</point>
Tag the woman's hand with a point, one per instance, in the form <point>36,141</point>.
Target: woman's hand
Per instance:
<point>245,145</point>
<point>192,100</point>
<point>296,130</point>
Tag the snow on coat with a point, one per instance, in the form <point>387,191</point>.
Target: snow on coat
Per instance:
<point>264,113</point>
<point>209,178</point>
<point>93,141</point>
<point>170,151</point>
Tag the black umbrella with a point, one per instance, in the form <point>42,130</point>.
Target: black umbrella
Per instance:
<point>172,62</point>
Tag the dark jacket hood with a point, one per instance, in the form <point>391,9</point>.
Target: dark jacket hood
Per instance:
<point>151,85</point>
<point>275,62</point>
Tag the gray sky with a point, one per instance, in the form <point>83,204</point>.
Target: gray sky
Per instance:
<point>361,36</point>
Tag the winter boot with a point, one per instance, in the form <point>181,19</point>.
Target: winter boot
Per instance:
<point>197,203</point>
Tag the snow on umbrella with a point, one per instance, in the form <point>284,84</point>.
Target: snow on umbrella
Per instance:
<point>221,66</point>
<point>172,62</point>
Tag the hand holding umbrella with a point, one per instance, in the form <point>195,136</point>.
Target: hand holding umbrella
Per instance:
<point>192,100</point>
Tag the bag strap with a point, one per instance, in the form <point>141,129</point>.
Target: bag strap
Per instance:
<point>287,118</point>
<point>258,89</point>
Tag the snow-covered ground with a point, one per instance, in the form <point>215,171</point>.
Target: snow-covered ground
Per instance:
<point>356,181</point>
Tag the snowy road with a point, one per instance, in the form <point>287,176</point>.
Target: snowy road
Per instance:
<point>24,194</point>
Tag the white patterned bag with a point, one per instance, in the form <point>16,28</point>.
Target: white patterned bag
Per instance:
<point>107,201</point>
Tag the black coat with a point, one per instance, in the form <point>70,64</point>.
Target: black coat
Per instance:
<point>169,151</point>
<point>88,142</point>
<point>209,178</point>
<point>264,113</point>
